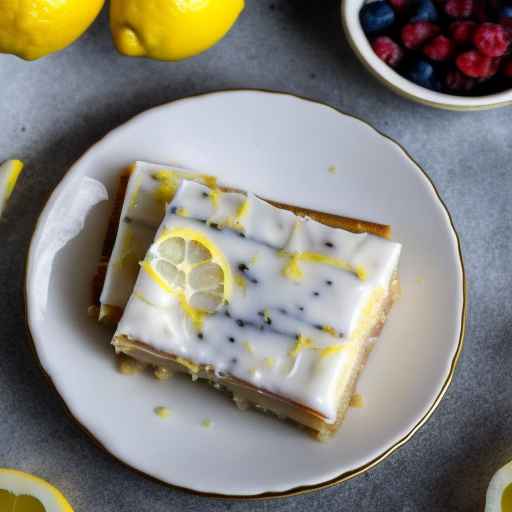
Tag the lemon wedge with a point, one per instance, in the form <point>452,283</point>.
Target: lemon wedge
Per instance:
<point>9,173</point>
<point>22,492</point>
<point>185,263</point>
<point>499,492</point>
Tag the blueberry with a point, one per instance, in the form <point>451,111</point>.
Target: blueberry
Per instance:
<point>506,11</point>
<point>421,72</point>
<point>423,10</point>
<point>376,16</point>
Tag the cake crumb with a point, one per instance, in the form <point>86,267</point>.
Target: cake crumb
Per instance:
<point>241,403</point>
<point>207,423</point>
<point>162,373</point>
<point>93,311</point>
<point>162,412</point>
<point>357,401</point>
<point>128,366</point>
<point>331,169</point>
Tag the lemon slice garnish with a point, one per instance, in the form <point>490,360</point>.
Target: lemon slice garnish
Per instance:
<point>22,492</point>
<point>187,264</point>
<point>9,173</point>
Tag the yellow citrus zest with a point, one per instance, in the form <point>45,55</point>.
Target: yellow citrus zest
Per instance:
<point>301,344</point>
<point>293,271</point>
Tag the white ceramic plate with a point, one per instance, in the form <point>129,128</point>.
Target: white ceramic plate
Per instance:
<point>280,147</point>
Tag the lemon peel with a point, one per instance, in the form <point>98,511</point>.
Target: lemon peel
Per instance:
<point>170,29</point>
<point>32,29</point>
<point>293,271</point>
<point>301,344</point>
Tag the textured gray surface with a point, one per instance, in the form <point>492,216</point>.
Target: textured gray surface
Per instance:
<point>52,110</point>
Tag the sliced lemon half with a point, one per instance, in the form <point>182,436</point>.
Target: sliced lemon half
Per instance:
<point>499,493</point>
<point>22,492</point>
<point>187,264</point>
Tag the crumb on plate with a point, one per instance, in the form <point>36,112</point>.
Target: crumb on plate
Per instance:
<point>357,401</point>
<point>162,412</point>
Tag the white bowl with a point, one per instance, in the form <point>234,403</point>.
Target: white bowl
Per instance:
<point>397,83</point>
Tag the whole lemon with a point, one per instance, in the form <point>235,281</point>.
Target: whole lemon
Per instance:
<point>34,28</point>
<point>170,29</point>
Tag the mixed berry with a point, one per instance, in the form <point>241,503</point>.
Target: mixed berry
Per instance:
<point>461,47</point>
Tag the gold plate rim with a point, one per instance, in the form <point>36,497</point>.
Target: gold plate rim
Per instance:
<point>295,491</point>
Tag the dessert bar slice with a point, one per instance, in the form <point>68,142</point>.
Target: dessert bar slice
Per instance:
<point>139,207</point>
<point>278,309</point>
<point>143,192</point>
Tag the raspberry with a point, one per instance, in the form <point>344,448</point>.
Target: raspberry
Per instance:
<point>462,32</point>
<point>476,65</point>
<point>416,34</point>
<point>491,39</point>
<point>387,50</point>
<point>458,82</point>
<point>459,8</point>
<point>440,48</point>
<point>507,68</point>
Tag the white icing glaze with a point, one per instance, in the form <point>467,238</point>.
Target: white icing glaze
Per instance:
<point>254,336</point>
<point>141,214</point>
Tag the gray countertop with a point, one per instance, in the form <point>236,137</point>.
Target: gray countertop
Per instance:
<point>52,110</point>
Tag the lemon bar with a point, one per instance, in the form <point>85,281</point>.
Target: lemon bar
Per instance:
<point>279,309</point>
<point>139,207</point>
<point>145,190</point>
